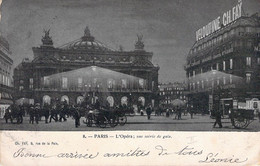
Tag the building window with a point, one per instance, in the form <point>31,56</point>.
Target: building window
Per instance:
<point>80,82</point>
<point>124,83</point>
<point>46,81</point>
<point>21,88</point>
<point>64,82</point>
<point>258,60</point>
<point>31,83</point>
<point>231,63</point>
<point>248,77</point>
<point>212,83</point>
<point>248,61</point>
<point>224,65</point>
<point>109,83</point>
<point>141,83</point>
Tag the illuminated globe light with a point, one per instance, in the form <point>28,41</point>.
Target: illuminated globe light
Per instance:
<point>93,68</point>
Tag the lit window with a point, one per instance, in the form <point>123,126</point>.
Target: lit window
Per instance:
<point>110,83</point>
<point>141,83</point>
<point>31,83</point>
<point>64,82</point>
<point>123,83</point>
<point>224,65</point>
<point>80,82</point>
<point>46,81</point>
<point>248,77</point>
<point>231,63</point>
<point>20,88</point>
<point>248,61</point>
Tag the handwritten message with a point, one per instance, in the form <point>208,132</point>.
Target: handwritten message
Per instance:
<point>129,148</point>
<point>187,150</point>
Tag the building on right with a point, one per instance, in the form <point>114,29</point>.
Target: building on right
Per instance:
<point>223,66</point>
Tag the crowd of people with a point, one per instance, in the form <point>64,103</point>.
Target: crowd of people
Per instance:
<point>57,111</point>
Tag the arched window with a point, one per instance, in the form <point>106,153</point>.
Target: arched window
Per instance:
<point>141,100</point>
<point>46,99</point>
<point>124,100</point>
<point>63,98</point>
<point>110,100</point>
<point>80,99</point>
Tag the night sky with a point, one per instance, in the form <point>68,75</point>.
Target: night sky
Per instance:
<point>168,26</point>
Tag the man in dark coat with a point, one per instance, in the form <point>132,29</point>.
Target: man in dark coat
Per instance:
<point>218,119</point>
<point>149,111</point>
<point>31,114</point>
<point>37,112</point>
<point>46,112</point>
<point>54,115</point>
<point>76,115</point>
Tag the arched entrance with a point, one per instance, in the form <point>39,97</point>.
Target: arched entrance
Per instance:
<point>141,100</point>
<point>111,101</point>
<point>80,99</point>
<point>46,100</point>
<point>64,98</point>
<point>124,100</point>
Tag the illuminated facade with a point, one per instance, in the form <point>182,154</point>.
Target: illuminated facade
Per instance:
<point>30,77</point>
<point>171,91</point>
<point>5,76</point>
<point>226,62</point>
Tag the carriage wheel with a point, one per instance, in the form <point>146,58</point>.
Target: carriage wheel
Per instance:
<point>122,120</point>
<point>103,121</point>
<point>131,114</point>
<point>241,123</point>
<point>113,121</point>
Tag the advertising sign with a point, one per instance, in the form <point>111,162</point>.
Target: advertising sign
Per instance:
<point>227,18</point>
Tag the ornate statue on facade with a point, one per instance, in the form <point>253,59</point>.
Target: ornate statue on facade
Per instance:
<point>139,45</point>
<point>46,39</point>
<point>86,31</point>
<point>87,36</point>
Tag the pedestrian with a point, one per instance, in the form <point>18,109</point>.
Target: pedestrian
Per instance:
<point>191,113</point>
<point>20,114</point>
<point>31,114</point>
<point>76,116</point>
<point>167,112</point>
<point>258,112</point>
<point>149,111</point>
<point>53,114</point>
<point>37,113</point>
<point>46,112</point>
<point>178,110</point>
<point>218,119</point>
<point>8,115</point>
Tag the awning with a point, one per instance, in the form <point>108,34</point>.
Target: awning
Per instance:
<point>4,101</point>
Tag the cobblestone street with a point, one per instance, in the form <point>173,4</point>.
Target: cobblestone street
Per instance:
<point>157,123</point>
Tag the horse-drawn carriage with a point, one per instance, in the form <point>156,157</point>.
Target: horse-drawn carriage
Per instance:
<point>241,118</point>
<point>102,117</point>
